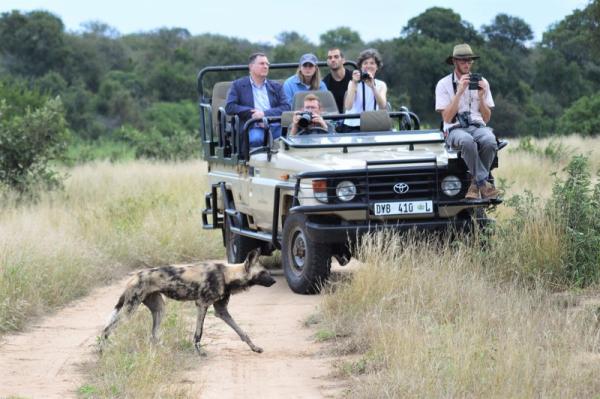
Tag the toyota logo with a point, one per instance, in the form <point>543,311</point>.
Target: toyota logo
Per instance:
<point>401,188</point>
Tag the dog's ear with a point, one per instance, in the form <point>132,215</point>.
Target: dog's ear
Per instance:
<point>252,258</point>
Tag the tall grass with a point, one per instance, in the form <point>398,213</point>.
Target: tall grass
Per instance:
<point>108,219</point>
<point>429,321</point>
<point>482,317</point>
<point>132,367</point>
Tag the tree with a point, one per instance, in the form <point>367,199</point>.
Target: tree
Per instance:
<point>443,25</point>
<point>30,140</point>
<point>291,46</point>
<point>507,33</point>
<point>343,38</point>
<point>582,117</point>
<point>33,43</point>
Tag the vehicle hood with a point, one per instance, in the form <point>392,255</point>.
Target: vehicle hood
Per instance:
<point>356,158</point>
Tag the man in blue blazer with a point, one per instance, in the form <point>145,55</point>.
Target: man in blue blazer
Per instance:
<point>255,96</point>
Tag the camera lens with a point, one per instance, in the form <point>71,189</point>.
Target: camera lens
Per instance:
<point>305,119</point>
<point>365,76</point>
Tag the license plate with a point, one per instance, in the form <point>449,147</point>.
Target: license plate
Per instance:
<point>402,208</point>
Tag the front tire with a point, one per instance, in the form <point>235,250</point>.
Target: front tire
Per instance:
<point>306,264</point>
<point>237,247</point>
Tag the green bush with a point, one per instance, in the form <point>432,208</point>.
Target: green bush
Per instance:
<point>556,244</point>
<point>577,207</point>
<point>29,143</point>
<point>582,117</point>
<point>153,144</point>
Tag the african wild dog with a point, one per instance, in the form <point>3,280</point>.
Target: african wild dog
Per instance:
<point>206,283</point>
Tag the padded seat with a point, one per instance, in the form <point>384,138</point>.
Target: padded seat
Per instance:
<point>375,121</point>
<point>219,98</point>
<point>328,104</point>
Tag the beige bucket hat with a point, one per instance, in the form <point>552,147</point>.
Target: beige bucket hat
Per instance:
<point>461,51</point>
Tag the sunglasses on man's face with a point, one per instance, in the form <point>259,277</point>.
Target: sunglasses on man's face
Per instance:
<point>464,61</point>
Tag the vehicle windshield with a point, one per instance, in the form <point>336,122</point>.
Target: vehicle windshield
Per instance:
<point>363,139</point>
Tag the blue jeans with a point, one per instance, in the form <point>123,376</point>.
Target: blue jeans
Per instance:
<point>256,135</point>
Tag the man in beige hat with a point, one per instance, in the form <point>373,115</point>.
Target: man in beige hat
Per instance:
<point>465,102</point>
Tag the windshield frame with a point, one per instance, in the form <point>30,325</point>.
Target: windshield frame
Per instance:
<point>364,139</point>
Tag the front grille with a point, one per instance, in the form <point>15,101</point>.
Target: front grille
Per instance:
<point>378,185</point>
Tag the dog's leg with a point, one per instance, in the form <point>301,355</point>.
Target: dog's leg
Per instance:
<point>202,308</point>
<point>222,313</point>
<point>156,304</point>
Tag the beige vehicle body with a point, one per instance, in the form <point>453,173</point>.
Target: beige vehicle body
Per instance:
<point>312,196</point>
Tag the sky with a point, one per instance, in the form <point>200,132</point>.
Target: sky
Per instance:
<point>262,20</point>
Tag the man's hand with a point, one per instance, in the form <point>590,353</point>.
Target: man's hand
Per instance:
<point>463,83</point>
<point>483,87</point>
<point>257,114</point>
<point>318,120</point>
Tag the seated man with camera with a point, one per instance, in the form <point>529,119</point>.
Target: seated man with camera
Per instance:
<point>309,120</point>
<point>465,101</point>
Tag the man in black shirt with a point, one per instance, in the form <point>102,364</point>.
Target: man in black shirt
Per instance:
<point>338,77</point>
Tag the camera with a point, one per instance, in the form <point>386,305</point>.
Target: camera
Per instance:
<point>305,119</point>
<point>365,76</point>
<point>474,79</point>
<point>464,118</point>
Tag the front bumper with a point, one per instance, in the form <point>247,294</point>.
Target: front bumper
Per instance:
<point>342,232</point>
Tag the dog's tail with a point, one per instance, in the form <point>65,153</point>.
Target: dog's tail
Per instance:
<point>113,315</point>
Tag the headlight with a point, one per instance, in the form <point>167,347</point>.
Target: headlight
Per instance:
<point>345,191</point>
<point>320,190</point>
<point>451,185</point>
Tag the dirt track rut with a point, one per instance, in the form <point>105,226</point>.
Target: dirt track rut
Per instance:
<point>44,361</point>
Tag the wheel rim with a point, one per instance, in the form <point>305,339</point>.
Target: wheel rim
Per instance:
<point>298,253</point>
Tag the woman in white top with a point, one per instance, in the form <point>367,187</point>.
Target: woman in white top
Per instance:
<point>366,94</point>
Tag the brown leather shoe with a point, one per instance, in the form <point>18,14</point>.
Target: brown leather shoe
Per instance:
<point>489,192</point>
<point>473,192</point>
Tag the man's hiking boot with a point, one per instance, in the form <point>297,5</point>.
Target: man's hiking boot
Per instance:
<point>488,191</point>
<point>473,192</point>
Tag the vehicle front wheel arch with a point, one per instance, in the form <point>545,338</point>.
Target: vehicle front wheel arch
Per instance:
<point>306,263</point>
<point>237,246</point>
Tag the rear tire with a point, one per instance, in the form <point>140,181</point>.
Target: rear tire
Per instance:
<point>237,246</point>
<point>306,264</point>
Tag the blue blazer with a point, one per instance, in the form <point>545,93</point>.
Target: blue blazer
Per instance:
<point>240,100</point>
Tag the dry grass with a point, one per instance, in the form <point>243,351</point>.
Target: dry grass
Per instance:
<point>109,219</point>
<point>430,322</point>
<point>133,367</point>
<point>523,170</point>
<point>452,321</point>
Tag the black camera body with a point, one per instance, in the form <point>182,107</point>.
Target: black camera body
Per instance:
<point>305,119</point>
<point>474,79</point>
<point>464,118</point>
<point>365,76</point>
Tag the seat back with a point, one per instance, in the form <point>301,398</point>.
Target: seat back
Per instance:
<point>375,121</point>
<point>219,98</point>
<point>328,104</point>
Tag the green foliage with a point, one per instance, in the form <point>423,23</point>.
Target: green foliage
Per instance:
<point>577,208</point>
<point>343,38</point>
<point>179,144</point>
<point>443,25</point>
<point>556,244</point>
<point>507,33</point>
<point>107,80</point>
<point>583,117</point>
<point>33,43</point>
<point>29,143</point>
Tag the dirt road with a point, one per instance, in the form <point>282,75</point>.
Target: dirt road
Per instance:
<point>43,362</point>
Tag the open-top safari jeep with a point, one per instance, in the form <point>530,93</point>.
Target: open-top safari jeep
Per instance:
<point>312,196</point>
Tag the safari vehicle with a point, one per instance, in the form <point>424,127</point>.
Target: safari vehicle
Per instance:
<point>313,196</point>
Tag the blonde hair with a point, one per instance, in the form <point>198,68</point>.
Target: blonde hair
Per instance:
<point>312,97</point>
<point>315,80</point>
